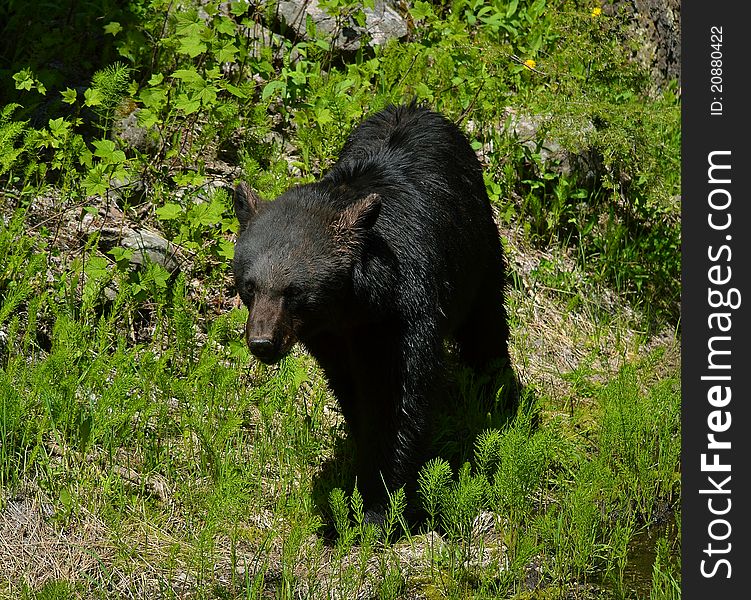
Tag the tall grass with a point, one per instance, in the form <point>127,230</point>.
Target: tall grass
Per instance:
<point>142,450</point>
<point>195,461</point>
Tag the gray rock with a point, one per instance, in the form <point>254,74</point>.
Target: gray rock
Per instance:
<point>149,246</point>
<point>382,23</point>
<point>657,25</point>
<point>260,37</point>
<point>584,165</point>
<point>131,135</point>
<point>126,190</point>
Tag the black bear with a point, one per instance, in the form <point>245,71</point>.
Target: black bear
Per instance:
<point>371,269</point>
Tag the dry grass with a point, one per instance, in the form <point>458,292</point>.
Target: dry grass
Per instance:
<point>35,550</point>
<point>557,332</point>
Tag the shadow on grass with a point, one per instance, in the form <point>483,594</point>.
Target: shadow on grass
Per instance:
<point>470,405</point>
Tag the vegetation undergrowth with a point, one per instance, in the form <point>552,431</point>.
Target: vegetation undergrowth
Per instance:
<point>142,451</point>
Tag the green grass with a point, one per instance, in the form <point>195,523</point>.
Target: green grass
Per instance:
<point>190,468</point>
<point>144,453</point>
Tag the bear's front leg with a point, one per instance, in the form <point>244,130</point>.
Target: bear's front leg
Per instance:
<point>397,380</point>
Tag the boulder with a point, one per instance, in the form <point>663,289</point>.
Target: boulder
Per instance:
<point>530,130</point>
<point>382,23</point>
<point>657,25</point>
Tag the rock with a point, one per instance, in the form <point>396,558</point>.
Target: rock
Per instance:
<point>110,223</point>
<point>124,191</point>
<point>382,23</point>
<point>657,25</point>
<point>294,14</point>
<point>149,246</point>
<point>261,37</point>
<point>584,166</point>
<point>130,135</point>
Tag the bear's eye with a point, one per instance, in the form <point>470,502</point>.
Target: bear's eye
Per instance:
<point>249,289</point>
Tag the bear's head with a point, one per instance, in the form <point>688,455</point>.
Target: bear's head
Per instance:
<point>293,263</point>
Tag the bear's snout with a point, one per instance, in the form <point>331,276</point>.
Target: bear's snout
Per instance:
<point>268,332</point>
<point>263,349</point>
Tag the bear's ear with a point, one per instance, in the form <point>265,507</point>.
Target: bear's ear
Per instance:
<point>246,203</point>
<point>361,215</point>
<point>355,220</point>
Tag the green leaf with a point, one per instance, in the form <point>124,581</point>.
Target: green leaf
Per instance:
<point>169,211</point>
<point>227,52</point>
<point>160,275</point>
<point>226,249</point>
<point>493,21</point>
<point>213,74</point>
<point>299,76</point>
<point>59,127</point>
<point>188,179</point>
<point>93,97</point>
<point>85,157</point>
<point>24,80</point>
<point>323,44</point>
<point>84,432</point>
<point>106,149</point>
<point>113,28</point>
<point>95,182</point>
<point>121,254</point>
<point>343,86</point>
<point>69,96</point>
<point>225,25</point>
<point>323,116</point>
<point>188,75</point>
<point>97,266</point>
<point>153,98</point>
<point>206,213</point>
<point>537,8</point>
<point>271,87</point>
<point>238,9</point>
<point>207,95</point>
<point>421,10</point>
<point>147,118</point>
<point>65,499</point>
<point>422,91</point>
<point>239,350</point>
<point>192,46</point>
<point>235,91</point>
<point>187,104</point>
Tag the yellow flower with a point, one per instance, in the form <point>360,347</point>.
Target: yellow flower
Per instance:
<point>530,64</point>
<point>596,12</point>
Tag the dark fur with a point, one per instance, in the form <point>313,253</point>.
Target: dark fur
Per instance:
<point>371,268</point>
